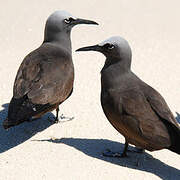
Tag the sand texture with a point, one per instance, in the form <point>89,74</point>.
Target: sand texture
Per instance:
<point>73,150</point>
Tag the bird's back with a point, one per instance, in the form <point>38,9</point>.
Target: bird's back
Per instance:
<point>44,67</point>
<point>136,110</point>
<point>43,81</point>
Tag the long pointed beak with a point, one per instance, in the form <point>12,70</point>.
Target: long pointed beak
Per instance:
<point>84,21</point>
<point>90,48</point>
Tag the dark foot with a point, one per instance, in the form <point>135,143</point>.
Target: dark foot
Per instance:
<point>136,150</point>
<point>67,118</point>
<point>57,120</point>
<point>109,153</point>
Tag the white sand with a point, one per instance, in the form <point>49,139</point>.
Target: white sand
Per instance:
<point>27,152</point>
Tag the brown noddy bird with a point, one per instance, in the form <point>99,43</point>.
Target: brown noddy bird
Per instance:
<point>46,75</point>
<point>133,107</point>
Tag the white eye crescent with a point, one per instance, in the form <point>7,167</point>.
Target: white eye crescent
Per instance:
<point>111,46</point>
<point>68,20</point>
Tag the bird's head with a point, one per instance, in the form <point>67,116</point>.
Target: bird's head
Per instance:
<point>62,21</point>
<point>115,49</point>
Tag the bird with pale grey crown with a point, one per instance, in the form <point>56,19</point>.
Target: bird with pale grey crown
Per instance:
<point>46,75</point>
<point>134,108</point>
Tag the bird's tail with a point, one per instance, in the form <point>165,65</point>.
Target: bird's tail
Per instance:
<point>7,123</point>
<point>23,109</point>
<point>174,133</point>
<point>16,113</point>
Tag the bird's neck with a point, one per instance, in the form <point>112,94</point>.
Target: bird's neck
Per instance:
<point>113,74</point>
<point>60,39</point>
<point>120,65</point>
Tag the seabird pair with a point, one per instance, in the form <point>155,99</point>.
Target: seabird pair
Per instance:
<point>45,79</point>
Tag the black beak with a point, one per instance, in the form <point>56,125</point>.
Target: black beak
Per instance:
<point>84,21</point>
<point>90,48</point>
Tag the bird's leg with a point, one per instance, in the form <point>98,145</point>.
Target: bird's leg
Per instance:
<point>57,113</point>
<point>61,117</point>
<point>124,154</point>
<point>109,153</point>
<point>56,119</point>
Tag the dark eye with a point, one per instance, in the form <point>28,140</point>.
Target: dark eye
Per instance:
<point>68,20</point>
<point>109,46</point>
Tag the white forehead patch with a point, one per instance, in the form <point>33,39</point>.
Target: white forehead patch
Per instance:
<point>61,15</point>
<point>115,40</point>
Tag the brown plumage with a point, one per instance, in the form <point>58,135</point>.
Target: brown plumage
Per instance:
<point>45,77</point>
<point>134,108</point>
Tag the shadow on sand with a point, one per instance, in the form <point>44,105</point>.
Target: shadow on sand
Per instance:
<point>90,147</point>
<point>142,162</point>
<point>21,133</point>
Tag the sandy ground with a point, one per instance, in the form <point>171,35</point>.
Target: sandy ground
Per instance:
<point>72,150</point>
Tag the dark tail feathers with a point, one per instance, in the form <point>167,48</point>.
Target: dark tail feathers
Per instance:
<point>21,110</point>
<point>174,133</point>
